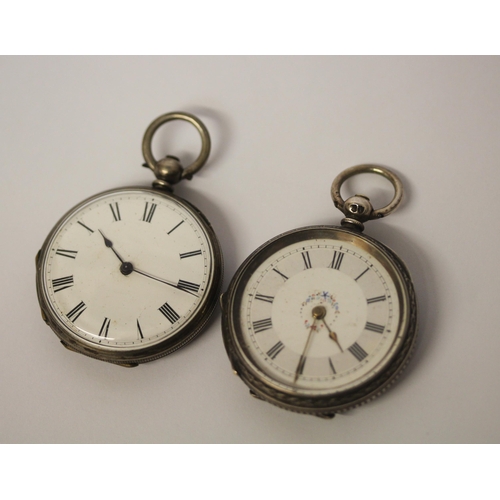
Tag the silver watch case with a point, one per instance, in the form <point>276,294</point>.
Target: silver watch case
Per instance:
<point>134,357</point>
<point>322,406</point>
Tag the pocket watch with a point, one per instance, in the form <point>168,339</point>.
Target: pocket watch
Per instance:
<point>321,319</point>
<point>132,274</point>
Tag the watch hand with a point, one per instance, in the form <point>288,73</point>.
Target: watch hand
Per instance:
<point>109,244</point>
<point>333,335</point>
<point>163,281</point>
<point>127,268</point>
<point>318,312</point>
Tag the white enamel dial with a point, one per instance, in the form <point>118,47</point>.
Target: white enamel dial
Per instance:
<point>127,270</point>
<point>320,316</point>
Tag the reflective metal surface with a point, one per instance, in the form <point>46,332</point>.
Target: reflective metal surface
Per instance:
<point>357,209</point>
<point>326,406</point>
<point>169,170</point>
<point>133,357</point>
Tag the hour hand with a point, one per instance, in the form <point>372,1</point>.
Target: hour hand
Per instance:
<point>333,335</point>
<point>109,244</point>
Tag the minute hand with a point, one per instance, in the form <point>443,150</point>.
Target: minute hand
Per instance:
<point>164,281</point>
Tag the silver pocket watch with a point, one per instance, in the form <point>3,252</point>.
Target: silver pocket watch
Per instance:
<point>132,274</point>
<point>322,319</point>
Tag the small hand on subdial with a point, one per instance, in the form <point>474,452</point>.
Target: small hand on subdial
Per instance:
<point>127,268</point>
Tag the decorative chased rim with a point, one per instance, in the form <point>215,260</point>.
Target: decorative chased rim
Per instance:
<point>188,333</point>
<point>323,406</point>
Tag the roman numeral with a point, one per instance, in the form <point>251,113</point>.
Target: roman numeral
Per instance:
<point>190,254</point>
<point>187,285</point>
<point>74,314</point>
<point>105,327</point>
<point>175,227</point>
<point>264,298</point>
<point>337,260</point>
<point>149,215</point>
<point>62,283</point>
<point>331,366</point>
<point>376,299</point>
<point>357,351</point>
<point>281,274</point>
<point>139,330</point>
<point>365,271</point>
<point>169,313</point>
<point>262,324</point>
<point>374,328</point>
<point>67,253</point>
<point>115,211</point>
<point>275,350</point>
<point>86,227</point>
<point>307,259</point>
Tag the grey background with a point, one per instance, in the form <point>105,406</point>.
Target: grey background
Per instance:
<point>282,129</point>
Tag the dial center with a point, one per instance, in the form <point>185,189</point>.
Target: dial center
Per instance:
<point>319,312</point>
<point>324,299</point>
<point>319,304</point>
<point>126,268</point>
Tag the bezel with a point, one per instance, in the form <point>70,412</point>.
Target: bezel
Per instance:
<point>134,356</point>
<point>261,384</point>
